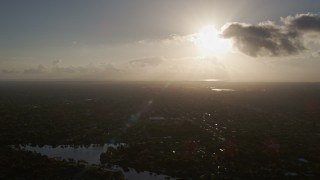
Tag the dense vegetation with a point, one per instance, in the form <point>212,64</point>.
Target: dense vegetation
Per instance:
<point>183,130</point>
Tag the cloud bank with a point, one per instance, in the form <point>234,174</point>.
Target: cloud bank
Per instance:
<point>269,39</point>
<point>150,61</point>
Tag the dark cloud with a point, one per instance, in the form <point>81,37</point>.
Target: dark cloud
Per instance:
<point>151,61</point>
<point>269,39</point>
<point>303,22</point>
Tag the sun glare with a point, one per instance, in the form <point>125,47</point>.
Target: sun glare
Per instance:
<point>209,42</point>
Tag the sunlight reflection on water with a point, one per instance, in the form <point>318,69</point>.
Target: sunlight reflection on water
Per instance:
<point>220,90</point>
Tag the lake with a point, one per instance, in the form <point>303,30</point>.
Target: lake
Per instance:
<point>91,154</point>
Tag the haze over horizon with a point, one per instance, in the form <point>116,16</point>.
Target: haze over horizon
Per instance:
<point>234,40</point>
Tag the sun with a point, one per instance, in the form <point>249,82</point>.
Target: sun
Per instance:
<point>209,42</point>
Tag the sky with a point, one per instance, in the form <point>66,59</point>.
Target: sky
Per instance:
<point>274,40</point>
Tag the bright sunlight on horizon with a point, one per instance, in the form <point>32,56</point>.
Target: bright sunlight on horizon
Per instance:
<point>180,40</point>
<point>210,43</point>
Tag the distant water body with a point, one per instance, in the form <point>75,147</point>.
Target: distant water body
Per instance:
<point>91,154</point>
<point>219,90</point>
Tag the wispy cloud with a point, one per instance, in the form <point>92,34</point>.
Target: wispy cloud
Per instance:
<point>64,70</point>
<point>173,39</point>
<point>176,39</point>
<point>143,62</point>
<point>8,71</point>
<point>40,69</point>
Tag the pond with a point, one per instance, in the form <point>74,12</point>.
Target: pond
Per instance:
<point>91,154</point>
